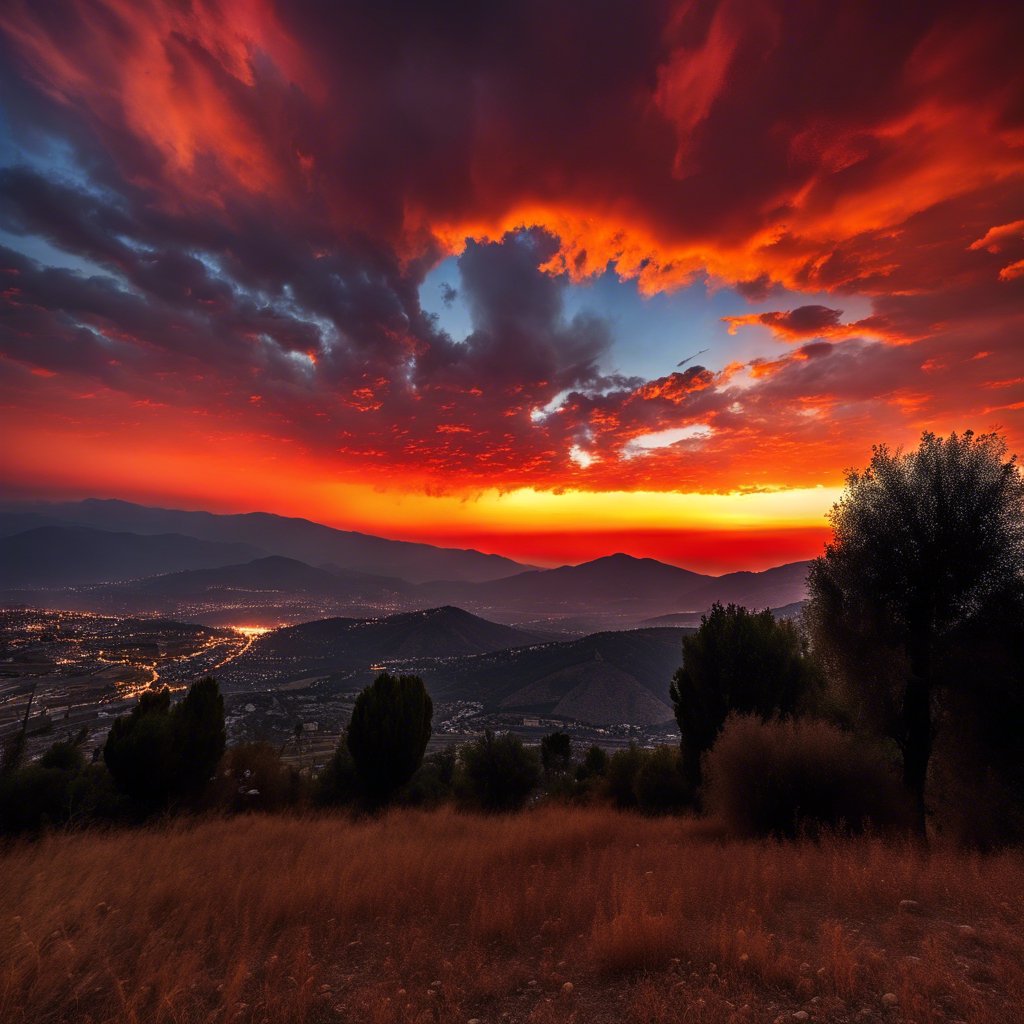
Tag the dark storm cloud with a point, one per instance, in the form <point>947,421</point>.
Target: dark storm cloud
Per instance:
<point>264,187</point>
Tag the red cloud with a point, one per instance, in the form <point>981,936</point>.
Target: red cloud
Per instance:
<point>263,187</point>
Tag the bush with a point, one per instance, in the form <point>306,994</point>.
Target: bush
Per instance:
<point>789,777</point>
<point>659,784</point>
<point>651,781</point>
<point>253,777</point>
<point>388,733</point>
<point>58,790</point>
<point>434,781</point>
<point>593,766</point>
<point>556,753</point>
<point>620,779</point>
<point>498,773</point>
<point>337,784</point>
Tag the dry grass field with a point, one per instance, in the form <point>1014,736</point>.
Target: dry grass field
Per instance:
<point>554,915</point>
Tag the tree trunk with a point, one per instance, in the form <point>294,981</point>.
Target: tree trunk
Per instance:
<point>917,731</point>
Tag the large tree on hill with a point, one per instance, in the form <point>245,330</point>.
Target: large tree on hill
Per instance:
<point>741,661</point>
<point>928,550</point>
<point>388,734</point>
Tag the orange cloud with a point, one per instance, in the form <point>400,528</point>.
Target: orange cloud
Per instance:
<point>261,188</point>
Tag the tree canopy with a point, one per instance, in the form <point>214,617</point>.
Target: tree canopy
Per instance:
<point>741,661</point>
<point>927,551</point>
<point>159,751</point>
<point>388,734</point>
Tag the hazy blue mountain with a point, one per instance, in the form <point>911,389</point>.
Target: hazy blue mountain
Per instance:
<point>272,574</point>
<point>623,587</point>
<point>67,555</point>
<point>293,538</point>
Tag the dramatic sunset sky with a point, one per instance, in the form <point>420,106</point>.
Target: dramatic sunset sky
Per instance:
<point>547,279</point>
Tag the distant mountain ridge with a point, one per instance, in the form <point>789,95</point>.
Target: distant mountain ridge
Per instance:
<point>222,575</point>
<point>627,587</point>
<point>69,555</point>
<point>270,534</point>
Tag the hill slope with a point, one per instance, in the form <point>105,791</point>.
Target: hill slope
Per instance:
<point>343,645</point>
<point>605,678</point>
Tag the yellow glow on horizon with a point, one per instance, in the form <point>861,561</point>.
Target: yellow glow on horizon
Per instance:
<point>526,509</point>
<point>235,473</point>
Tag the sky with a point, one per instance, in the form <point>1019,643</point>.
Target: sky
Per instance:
<point>549,280</point>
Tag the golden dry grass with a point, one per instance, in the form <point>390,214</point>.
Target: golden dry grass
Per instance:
<point>440,917</point>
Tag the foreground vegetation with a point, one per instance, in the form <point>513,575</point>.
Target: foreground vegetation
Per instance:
<point>556,914</point>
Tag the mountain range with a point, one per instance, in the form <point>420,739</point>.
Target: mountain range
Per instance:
<point>250,569</point>
<point>269,534</point>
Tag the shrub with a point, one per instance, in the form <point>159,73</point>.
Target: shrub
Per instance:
<point>498,773</point>
<point>556,753</point>
<point>253,777</point>
<point>58,790</point>
<point>799,775</point>
<point>659,784</point>
<point>620,779</point>
<point>651,781</point>
<point>433,782</point>
<point>593,766</point>
<point>388,733</point>
<point>337,784</point>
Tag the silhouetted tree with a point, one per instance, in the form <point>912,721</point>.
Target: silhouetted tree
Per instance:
<point>388,733</point>
<point>928,546</point>
<point>741,661</point>
<point>556,752</point>
<point>200,737</point>
<point>139,750</point>
<point>498,772</point>
<point>157,752</point>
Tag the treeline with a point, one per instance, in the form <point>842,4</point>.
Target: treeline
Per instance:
<point>167,758</point>
<point>896,703</point>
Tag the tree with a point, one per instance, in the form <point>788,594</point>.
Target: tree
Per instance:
<point>199,736</point>
<point>139,750</point>
<point>498,772</point>
<point>388,734</point>
<point>157,752</point>
<point>927,548</point>
<point>741,661</point>
<point>556,752</point>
